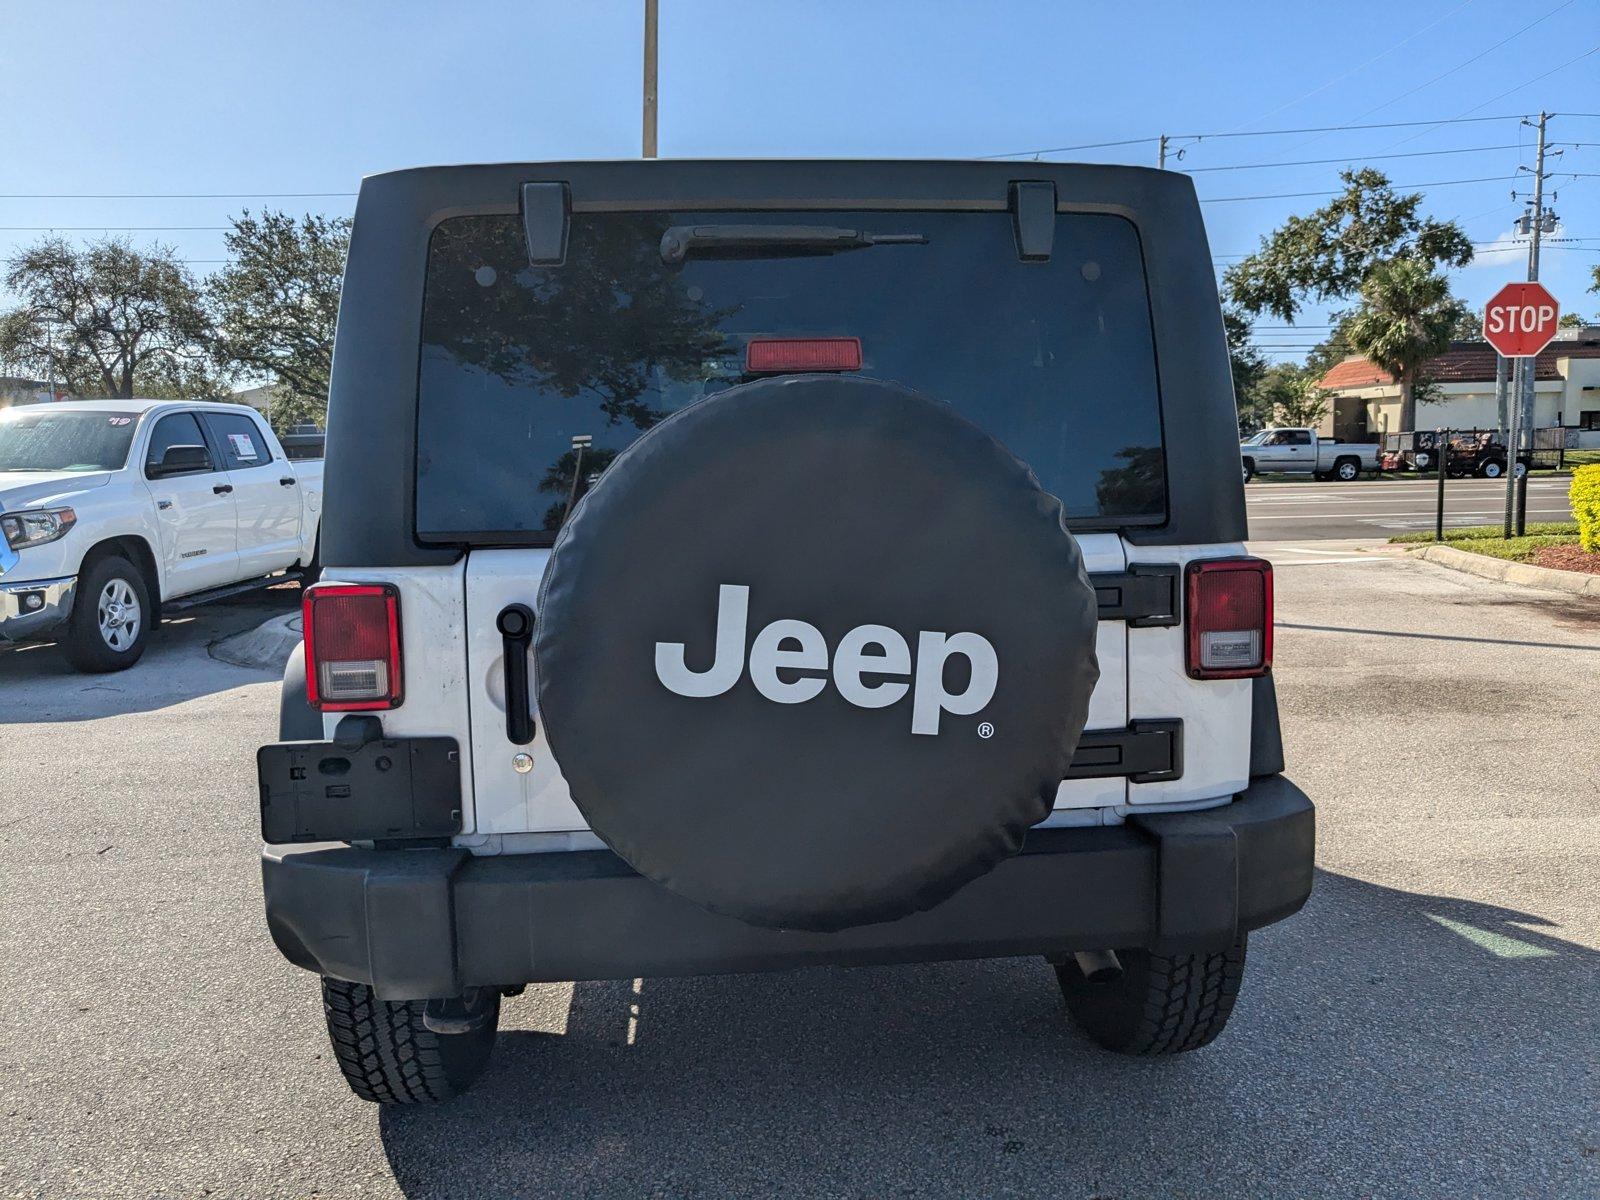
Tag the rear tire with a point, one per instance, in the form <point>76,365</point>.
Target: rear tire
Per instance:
<point>1347,470</point>
<point>110,621</point>
<point>1162,1004</point>
<point>389,1056</point>
<point>1249,470</point>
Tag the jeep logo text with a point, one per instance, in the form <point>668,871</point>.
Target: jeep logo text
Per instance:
<point>867,650</point>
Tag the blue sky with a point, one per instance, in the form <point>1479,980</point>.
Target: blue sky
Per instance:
<point>221,97</point>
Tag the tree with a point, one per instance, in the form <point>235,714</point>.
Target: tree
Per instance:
<point>108,320</point>
<point>1331,253</point>
<point>1247,365</point>
<point>1406,318</point>
<point>1292,397</point>
<point>1572,320</point>
<point>277,303</point>
<point>1469,325</point>
<point>1595,286</point>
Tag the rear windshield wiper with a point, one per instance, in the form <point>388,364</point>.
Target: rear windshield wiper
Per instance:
<point>680,241</point>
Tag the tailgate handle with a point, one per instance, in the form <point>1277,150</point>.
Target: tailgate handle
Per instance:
<point>515,624</point>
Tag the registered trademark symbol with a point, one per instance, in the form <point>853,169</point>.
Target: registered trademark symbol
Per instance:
<point>986,730</point>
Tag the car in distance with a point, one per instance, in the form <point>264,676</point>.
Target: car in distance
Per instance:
<point>1300,451</point>
<point>749,565</point>
<point>115,511</point>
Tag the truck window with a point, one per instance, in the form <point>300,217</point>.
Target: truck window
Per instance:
<point>64,441</point>
<point>243,445</point>
<point>1055,359</point>
<point>174,429</point>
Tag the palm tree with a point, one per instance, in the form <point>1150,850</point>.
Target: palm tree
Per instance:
<point>1407,316</point>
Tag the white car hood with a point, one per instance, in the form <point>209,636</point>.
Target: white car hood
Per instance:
<point>41,489</point>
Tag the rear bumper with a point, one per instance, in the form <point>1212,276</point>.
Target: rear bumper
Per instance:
<point>430,922</point>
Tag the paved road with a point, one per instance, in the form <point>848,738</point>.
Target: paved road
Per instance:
<point>1382,508</point>
<point>1426,1027</point>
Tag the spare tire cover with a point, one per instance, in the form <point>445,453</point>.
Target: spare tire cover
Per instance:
<point>815,652</point>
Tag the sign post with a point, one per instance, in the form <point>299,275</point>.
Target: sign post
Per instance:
<point>1519,321</point>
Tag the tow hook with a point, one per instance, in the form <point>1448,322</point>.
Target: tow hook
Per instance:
<point>466,1013</point>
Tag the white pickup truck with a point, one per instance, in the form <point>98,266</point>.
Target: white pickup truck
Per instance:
<point>113,510</point>
<point>1305,452</point>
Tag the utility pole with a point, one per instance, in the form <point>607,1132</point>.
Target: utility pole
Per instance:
<point>1522,421</point>
<point>650,26</point>
<point>1161,154</point>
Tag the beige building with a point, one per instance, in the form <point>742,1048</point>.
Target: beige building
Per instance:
<point>1365,400</point>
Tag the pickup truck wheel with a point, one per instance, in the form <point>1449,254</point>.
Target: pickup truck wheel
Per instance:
<point>1249,470</point>
<point>1346,470</point>
<point>1161,1004</point>
<point>389,1056</point>
<point>110,620</point>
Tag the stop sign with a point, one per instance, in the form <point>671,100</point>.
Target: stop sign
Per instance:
<point>1520,319</point>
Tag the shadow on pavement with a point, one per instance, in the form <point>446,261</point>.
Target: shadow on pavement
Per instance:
<point>1386,1043</point>
<point>36,684</point>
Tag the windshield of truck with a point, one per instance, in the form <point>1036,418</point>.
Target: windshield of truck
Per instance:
<point>64,441</point>
<point>532,379</point>
<point>1255,439</point>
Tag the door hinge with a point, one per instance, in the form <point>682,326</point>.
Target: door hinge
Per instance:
<point>1147,751</point>
<point>1145,595</point>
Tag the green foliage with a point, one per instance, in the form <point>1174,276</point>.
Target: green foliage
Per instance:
<point>1571,320</point>
<point>1561,530</point>
<point>1248,365</point>
<point>277,303</point>
<point>1595,274</point>
<point>1469,325</point>
<point>1290,396</point>
<point>1331,252</point>
<point>1406,317</point>
<point>108,320</point>
<point>1585,495</point>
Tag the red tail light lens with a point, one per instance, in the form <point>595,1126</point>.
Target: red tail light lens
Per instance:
<point>352,634</point>
<point>802,354</point>
<point>1229,614</point>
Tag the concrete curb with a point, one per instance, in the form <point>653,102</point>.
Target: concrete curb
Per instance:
<point>265,648</point>
<point>1525,574</point>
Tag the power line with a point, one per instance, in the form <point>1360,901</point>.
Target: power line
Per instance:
<point>1463,114</point>
<point>1399,186</point>
<point>1356,70</point>
<point>1349,158</point>
<point>1200,137</point>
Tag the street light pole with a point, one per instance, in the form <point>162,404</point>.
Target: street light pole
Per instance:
<point>650,39</point>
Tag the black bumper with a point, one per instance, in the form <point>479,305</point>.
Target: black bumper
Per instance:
<point>429,923</point>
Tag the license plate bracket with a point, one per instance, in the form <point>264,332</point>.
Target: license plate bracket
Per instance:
<point>387,789</point>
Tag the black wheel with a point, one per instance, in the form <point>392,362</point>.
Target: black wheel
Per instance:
<point>1346,470</point>
<point>1249,470</point>
<point>312,571</point>
<point>1161,1004</point>
<point>389,1056</point>
<point>110,620</point>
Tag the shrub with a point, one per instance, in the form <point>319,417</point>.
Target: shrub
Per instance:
<point>1585,493</point>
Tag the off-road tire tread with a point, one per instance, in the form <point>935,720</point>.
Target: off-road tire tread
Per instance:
<point>1188,1001</point>
<point>387,1054</point>
<point>1185,1003</point>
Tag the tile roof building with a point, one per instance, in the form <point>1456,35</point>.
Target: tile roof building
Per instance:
<point>1366,399</point>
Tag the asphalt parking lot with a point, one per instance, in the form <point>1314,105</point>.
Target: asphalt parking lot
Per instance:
<point>1426,1027</point>
<point>1380,508</point>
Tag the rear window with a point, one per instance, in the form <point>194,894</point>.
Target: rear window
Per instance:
<point>532,379</point>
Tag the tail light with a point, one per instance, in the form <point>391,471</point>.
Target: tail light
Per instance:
<point>802,354</point>
<point>352,635</point>
<point>1229,618</point>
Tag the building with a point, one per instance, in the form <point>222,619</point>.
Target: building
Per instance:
<point>17,390</point>
<point>1365,399</point>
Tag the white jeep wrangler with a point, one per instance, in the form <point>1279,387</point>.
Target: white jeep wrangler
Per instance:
<point>733,566</point>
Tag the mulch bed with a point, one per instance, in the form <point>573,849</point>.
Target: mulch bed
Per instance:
<point>1567,558</point>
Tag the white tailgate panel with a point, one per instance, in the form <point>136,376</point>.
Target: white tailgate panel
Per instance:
<point>507,802</point>
<point>433,658</point>
<point>1108,706</point>
<point>1215,712</point>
